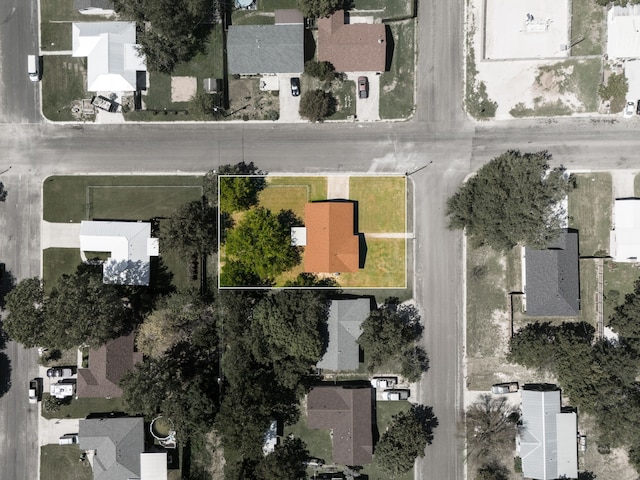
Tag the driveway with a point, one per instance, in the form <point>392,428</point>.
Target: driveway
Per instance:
<point>289,105</point>
<point>367,109</point>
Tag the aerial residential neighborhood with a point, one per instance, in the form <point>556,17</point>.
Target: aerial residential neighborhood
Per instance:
<point>303,239</point>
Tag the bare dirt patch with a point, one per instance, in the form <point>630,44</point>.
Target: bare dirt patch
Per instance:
<point>248,102</point>
<point>183,88</point>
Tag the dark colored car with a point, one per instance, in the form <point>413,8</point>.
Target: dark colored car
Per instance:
<point>363,87</point>
<point>295,86</point>
<point>59,372</point>
<point>638,108</point>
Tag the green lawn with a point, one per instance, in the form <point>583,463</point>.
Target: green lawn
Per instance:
<point>271,5</point>
<point>62,461</point>
<point>345,94</point>
<point>588,289</point>
<point>251,17</point>
<point>387,9</point>
<point>619,277</point>
<point>284,197</point>
<point>317,185</point>
<point>65,199</point>
<point>81,407</point>
<point>62,84</point>
<point>381,203</point>
<point>396,85</point>
<point>57,262</point>
<point>56,17</point>
<point>589,208</point>
<point>385,265</point>
<point>588,23</point>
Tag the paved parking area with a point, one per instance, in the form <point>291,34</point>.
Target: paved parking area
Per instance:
<point>289,105</point>
<point>367,109</point>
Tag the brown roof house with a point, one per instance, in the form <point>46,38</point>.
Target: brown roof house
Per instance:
<point>357,47</point>
<point>331,244</point>
<point>348,413</point>
<point>107,365</point>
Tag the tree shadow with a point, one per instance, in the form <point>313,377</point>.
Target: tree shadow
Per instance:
<point>3,192</point>
<point>5,373</point>
<point>427,419</point>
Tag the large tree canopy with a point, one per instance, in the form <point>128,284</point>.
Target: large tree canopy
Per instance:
<point>81,310</point>
<point>319,8</point>
<point>405,440</point>
<point>261,243</point>
<point>515,198</point>
<point>174,31</point>
<point>286,461</point>
<point>240,191</point>
<point>491,426</point>
<point>191,230</point>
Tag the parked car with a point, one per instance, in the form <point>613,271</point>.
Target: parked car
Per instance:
<point>34,390</point>
<point>363,87</point>
<point>384,382</point>
<point>59,372</point>
<point>583,443</point>
<point>629,110</point>
<point>638,108</point>
<point>295,86</point>
<point>68,439</point>
<point>508,387</point>
<point>103,103</point>
<point>395,394</point>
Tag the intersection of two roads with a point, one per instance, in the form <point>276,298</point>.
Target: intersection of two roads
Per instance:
<point>439,138</point>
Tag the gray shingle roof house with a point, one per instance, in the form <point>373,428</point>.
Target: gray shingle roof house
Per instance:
<point>345,318</point>
<point>118,443</point>
<point>548,446</point>
<point>348,413</point>
<point>552,286</point>
<point>256,49</point>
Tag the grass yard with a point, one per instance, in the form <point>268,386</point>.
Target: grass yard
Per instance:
<point>284,197</point>
<point>588,22</point>
<point>387,9</point>
<point>271,5</point>
<point>590,212</point>
<point>57,262</point>
<point>345,94</point>
<point>619,277</point>
<point>63,82</point>
<point>578,77</point>
<point>317,186</point>
<point>588,289</point>
<point>137,203</point>
<point>396,85</point>
<point>318,441</point>
<point>81,407</point>
<point>385,265</point>
<point>65,198</point>
<point>381,203</point>
<point>55,25</point>
<point>62,461</point>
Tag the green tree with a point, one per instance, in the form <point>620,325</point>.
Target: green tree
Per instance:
<point>515,198</point>
<point>491,426</point>
<point>321,70</point>
<point>492,471</point>
<point>204,104</point>
<point>262,243</point>
<point>191,230</point>
<point>389,333</point>
<point>306,279</point>
<point>319,8</point>
<point>174,29</point>
<point>25,322</point>
<point>286,461</point>
<point>615,91</point>
<point>405,440</point>
<point>316,105</point>
<point>240,193</point>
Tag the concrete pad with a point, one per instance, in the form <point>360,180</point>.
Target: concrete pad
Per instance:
<point>623,183</point>
<point>289,105</point>
<point>526,29</point>
<point>61,235</point>
<point>183,88</point>
<point>367,109</point>
<point>632,72</point>
<point>337,187</point>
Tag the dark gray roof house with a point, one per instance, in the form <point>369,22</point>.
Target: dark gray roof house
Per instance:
<point>345,318</point>
<point>117,442</point>
<point>256,49</point>
<point>552,285</point>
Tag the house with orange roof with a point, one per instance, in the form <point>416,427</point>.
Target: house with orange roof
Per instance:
<point>332,242</point>
<point>352,47</point>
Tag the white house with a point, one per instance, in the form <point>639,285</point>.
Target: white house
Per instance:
<point>624,239</point>
<point>129,244</point>
<point>112,55</point>
<point>623,32</point>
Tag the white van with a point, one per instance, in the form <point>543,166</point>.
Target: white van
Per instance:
<point>33,67</point>
<point>68,439</point>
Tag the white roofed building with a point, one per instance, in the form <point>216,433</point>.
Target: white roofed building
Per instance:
<point>129,244</point>
<point>112,55</point>
<point>623,32</point>
<point>624,240</point>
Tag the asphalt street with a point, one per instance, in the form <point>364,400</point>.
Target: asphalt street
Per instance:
<point>439,138</point>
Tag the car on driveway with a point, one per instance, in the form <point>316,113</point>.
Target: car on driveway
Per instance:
<point>395,394</point>
<point>295,86</point>
<point>59,372</point>
<point>384,382</point>
<point>629,110</point>
<point>501,388</point>
<point>363,87</point>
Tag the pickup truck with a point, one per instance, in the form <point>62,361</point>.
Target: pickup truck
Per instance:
<point>34,391</point>
<point>508,387</point>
